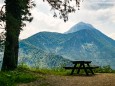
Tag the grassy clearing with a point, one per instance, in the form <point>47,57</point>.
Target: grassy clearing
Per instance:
<point>62,71</point>
<point>20,75</point>
<point>23,74</point>
<point>57,71</point>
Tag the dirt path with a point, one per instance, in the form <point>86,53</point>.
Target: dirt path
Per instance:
<point>55,80</point>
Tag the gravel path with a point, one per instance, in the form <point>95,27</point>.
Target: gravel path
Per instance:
<point>103,79</point>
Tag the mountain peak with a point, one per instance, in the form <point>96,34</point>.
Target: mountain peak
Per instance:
<point>81,23</point>
<point>79,26</point>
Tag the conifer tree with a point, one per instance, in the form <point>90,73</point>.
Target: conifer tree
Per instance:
<point>18,11</point>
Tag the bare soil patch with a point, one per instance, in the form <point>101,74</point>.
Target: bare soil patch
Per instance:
<point>101,79</point>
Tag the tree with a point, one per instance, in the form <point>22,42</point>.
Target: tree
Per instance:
<point>64,7</point>
<point>18,11</point>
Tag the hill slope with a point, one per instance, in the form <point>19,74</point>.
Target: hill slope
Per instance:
<point>85,43</point>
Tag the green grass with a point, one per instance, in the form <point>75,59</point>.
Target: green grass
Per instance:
<point>20,75</point>
<point>62,71</point>
<point>104,69</point>
<point>56,71</point>
<point>23,74</point>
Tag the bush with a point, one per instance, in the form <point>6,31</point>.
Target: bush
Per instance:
<point>105,69</point>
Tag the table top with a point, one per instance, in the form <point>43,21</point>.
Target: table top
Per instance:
<point>74,62</point>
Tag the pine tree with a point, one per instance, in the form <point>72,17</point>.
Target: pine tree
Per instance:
<point>16,12</point>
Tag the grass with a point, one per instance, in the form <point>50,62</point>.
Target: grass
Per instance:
<point>104,69</point>
<point>62,71</point>
<point>20,75</point>
<point>53,71</point>
<point>23,74</point>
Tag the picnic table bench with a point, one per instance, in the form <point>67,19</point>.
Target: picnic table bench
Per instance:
<point>78,65</point>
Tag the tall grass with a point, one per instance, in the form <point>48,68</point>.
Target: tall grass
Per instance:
<point>24,74</point>
<point>20,75</point>
<point>55,71</point>
<point>62,71</point>
<point>104,69</point>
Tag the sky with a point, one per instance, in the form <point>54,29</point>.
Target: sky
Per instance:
<point>99,13</point>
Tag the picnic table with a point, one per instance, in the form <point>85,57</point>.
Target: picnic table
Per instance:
<point>78,65</point>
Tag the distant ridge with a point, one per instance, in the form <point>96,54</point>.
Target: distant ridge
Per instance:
<point>82,42</point>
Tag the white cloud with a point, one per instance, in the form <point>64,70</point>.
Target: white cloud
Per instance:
<point>99,4</point>
<point>112,35</point>
<point>1,4</point>
<point>101,17</point>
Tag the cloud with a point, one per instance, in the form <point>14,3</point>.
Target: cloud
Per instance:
<point>1,4</point>
<point>1,1</point>
<point>99,13</point>
<point>112,35</point>
<point>44,22</point>
<point>103,18</point>
<point>98,4</point>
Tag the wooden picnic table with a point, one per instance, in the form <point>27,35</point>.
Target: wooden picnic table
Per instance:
<point>78,65</point>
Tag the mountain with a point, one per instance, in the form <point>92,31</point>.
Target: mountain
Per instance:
<point>40,53</point>
<point>80,26</point>
<point>81,42</point>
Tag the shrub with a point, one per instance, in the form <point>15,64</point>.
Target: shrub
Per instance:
<point>105,69</point>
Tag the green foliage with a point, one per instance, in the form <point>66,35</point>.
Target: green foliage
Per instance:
<point>64,7</point>
<point>6,80</point>
<point>23,5</point>
<point>20,75</point>
<point>13,16</point>
<point>23,67</point>
<point>105,69</point>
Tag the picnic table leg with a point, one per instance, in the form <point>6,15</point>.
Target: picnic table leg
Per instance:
<point>90,68</point>
<point>73,69</point>
<point>79,68</point>
<point>85,70</point>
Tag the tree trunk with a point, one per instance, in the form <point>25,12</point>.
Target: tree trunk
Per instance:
<point>13,25</point>
<point>11,53</point>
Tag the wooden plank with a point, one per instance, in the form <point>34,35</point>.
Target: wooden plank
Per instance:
<point>81,67</point>
<point>79,62</point>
